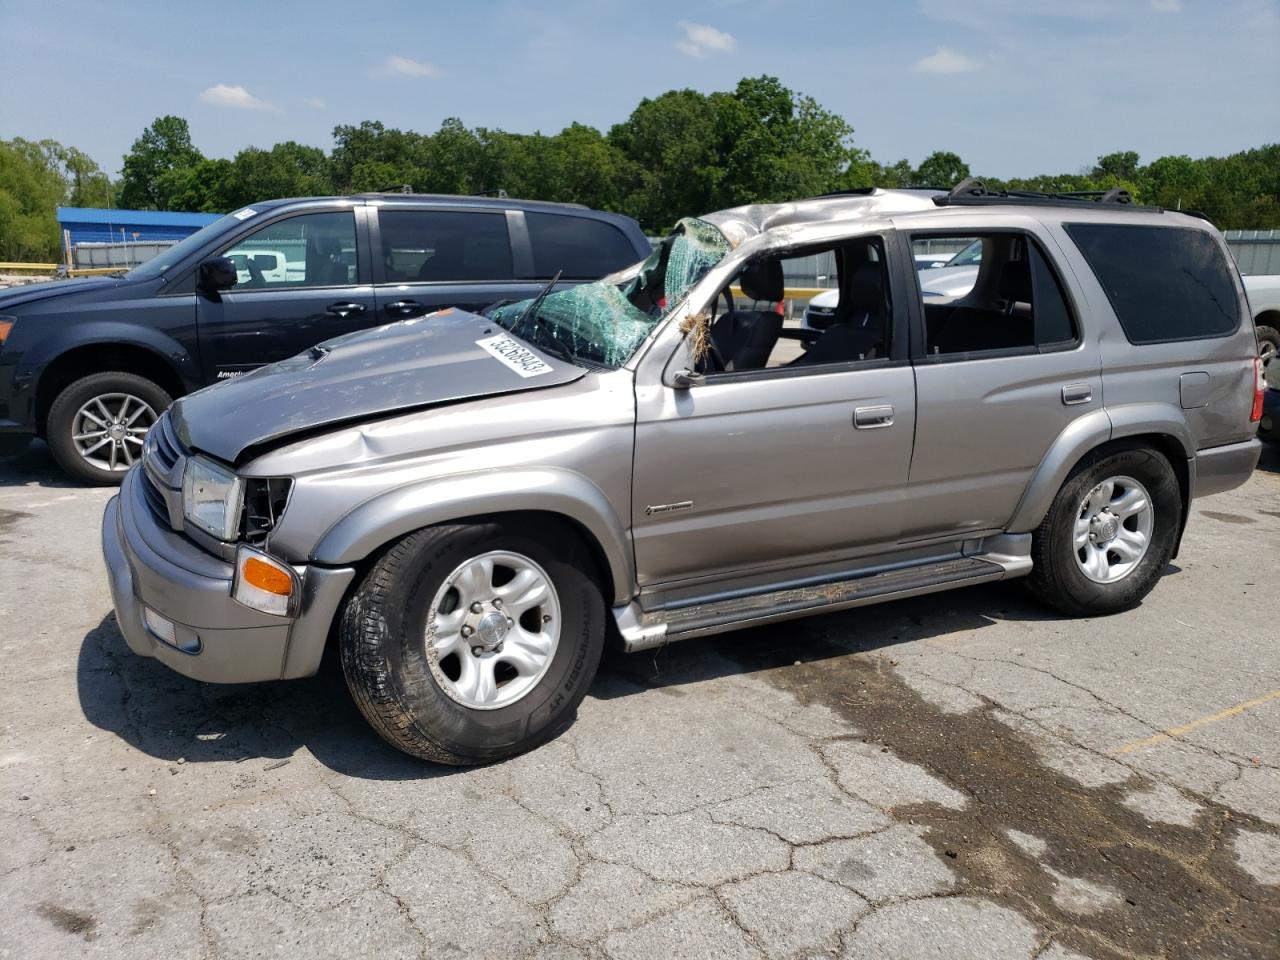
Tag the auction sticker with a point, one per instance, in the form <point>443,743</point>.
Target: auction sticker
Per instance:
<point>515,355</point>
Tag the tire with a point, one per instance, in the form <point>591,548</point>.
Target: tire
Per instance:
<point>99,392</point>
<point>1059,577</point>
<point>409,696</point>
<point>1268,344</point>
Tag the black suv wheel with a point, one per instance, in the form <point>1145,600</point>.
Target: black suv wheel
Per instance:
<point>97,424</point>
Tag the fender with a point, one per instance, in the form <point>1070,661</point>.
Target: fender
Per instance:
<point>1087,433</point>
<point>112,333</point>
<point>397,512</point>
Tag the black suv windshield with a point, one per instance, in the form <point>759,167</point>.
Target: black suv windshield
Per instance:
<point>158,264</point>
<point>604,323</point>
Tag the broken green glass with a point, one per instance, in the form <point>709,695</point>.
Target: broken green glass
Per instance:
<point>605,322</point>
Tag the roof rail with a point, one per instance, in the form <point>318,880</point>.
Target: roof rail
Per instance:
<point>973,191</point>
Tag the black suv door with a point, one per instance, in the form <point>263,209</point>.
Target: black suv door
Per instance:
<point>301,280</point>
<point>425,259</point>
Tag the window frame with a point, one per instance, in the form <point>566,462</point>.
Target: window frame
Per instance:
<point>899,318</point>
<point>1228,263</point>
<point>375,243</point>
<point>919,345</point>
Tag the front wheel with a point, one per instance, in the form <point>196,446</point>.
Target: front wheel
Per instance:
<point>1109,534</point>
<point>469,643</point>
<point>97,424</point>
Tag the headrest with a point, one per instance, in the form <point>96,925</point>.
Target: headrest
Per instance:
<point>866,288</point>
<point>762,280</point>
<point>1015,282</point>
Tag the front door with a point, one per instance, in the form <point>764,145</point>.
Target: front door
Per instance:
<point>789,462</point>
<point>299,283</point>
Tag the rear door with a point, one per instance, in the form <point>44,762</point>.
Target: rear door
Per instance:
<point>429,258</point>
<point>303,280</point>
<point>1002,368</point>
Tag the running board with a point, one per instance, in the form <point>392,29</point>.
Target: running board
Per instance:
<point>642,630</point>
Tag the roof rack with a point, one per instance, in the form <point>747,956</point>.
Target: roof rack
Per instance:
<point>972,190</point>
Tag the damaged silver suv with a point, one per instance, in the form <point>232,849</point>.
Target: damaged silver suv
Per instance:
<point>468,503</point>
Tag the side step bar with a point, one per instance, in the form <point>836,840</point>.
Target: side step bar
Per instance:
<point>643,630</point>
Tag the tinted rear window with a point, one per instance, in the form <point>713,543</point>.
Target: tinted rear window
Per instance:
<point>1165,283</point>
<point>584,249</point>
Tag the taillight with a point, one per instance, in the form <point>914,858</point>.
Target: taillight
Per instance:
<point>1259,385</point>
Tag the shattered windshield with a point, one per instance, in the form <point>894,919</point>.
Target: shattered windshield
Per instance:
<point>604,323</point>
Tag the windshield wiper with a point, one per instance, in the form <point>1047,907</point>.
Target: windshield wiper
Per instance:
<point>558,347</point>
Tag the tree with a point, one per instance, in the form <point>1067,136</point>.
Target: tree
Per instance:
<point>941,169</point>
<point>164,147</point>
<point>35,179</point>
<point>1122,165</point>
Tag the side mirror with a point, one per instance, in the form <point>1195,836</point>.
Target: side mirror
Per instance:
<point>686,378</point>
<point>217,273</point>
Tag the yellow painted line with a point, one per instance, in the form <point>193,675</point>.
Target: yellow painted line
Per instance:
<point>1202,721</point>
<point>8,265</point>
<point>790,292</point>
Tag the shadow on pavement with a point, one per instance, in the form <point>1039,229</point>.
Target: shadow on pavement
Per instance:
<point>33,464</point>
<point>169,716</point>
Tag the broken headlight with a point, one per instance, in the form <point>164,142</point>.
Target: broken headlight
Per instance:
<point>264,501</point>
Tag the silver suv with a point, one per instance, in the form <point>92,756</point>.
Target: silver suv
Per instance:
<point>467,504</point>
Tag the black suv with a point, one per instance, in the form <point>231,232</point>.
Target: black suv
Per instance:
<point>90,364</point>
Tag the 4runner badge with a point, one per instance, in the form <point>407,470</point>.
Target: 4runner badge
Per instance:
<point>515,355</point>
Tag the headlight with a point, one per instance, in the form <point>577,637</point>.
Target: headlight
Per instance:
<point>211,498</point>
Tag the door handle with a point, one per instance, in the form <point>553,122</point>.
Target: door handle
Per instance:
<point>344,309</point>
<point>403,306</point>
<point>873,418</point>
<point>1074,393</point>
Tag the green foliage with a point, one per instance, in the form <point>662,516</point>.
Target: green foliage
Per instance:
<point>678,154</point>
<point>35,178</point>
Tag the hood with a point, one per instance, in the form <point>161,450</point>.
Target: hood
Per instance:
<point>441,358</point>
<point>30,292</point>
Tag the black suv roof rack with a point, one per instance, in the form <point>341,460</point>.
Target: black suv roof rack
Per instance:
<point>485,195</point>
<point>973,191</point>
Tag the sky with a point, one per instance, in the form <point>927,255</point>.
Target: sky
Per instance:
<point>1015,87</point>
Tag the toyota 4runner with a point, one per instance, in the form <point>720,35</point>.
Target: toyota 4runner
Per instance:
<point>469,503</point>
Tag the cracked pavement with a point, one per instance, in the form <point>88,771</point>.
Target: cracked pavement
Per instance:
<point>960,775</point>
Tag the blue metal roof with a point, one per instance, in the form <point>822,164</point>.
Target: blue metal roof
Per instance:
<point>134,218</point>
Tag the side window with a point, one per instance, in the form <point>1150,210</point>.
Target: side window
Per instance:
<point>999,292</point>
<point>311,250</point>
<point>584,249</point>
<point>444,246</point>
<point>1164,283</point>
<point>755,326</point>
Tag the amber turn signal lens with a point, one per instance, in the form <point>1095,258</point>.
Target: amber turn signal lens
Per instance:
<point>5,327</point>
<point>266,577</point>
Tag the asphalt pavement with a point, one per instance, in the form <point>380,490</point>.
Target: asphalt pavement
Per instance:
<point>965,775</point>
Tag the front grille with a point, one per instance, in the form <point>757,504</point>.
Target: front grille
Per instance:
<point>155,499</point>
<point>166,448</point>
<point>162,459</point>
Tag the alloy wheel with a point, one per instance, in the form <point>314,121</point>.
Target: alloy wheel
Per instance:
<point>108,430</point>
<point>1113,529</point>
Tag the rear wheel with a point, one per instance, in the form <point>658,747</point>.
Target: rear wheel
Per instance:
<point>1109,534</point>
<point>97,424</point>
<point>470,643</point>
<point>1268,344</point>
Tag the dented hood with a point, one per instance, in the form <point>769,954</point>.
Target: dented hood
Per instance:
<point>441,358</point>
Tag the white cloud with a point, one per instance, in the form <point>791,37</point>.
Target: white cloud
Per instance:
<point>1166,6</point>
<point>396,66</point>
<point>315,103</point>
<point>946,60</point>
<point>233,95</point>
<point>701,39</point>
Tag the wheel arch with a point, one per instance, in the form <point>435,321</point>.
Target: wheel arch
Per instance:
<point>85,359</point>
<point>545,495</point>
<point>1156,425</point>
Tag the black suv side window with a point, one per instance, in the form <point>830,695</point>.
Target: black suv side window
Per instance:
<point>311,250</point>
<point>1164,283</point>
<point>1006,298</point>
<point>583,248</point>
<point>444,246</point>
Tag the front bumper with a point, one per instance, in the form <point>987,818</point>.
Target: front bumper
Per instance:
<point>216,639</point>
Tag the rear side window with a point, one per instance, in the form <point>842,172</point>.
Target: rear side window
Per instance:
<point>1164,283</point>
<point>584,249</point>
<point>444,246</point>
